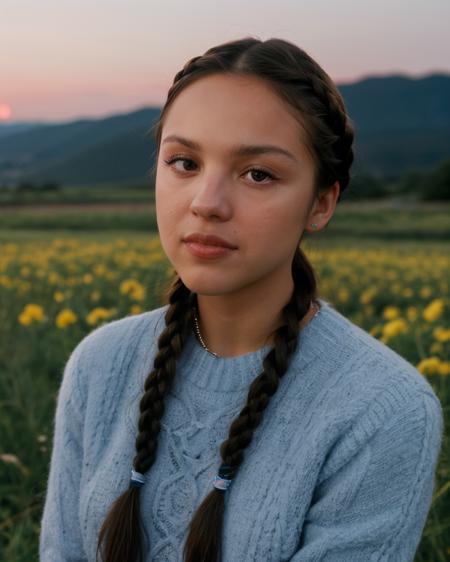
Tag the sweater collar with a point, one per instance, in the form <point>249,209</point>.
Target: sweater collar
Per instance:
<point>233,374</point>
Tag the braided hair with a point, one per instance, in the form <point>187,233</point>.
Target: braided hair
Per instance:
<point>319,107</point>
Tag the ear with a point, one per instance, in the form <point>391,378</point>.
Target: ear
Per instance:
<point>323,208</point>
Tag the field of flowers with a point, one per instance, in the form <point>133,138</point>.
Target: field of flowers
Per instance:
<point>53,292</point>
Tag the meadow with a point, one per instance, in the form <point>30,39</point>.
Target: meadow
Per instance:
<point>64,273</point>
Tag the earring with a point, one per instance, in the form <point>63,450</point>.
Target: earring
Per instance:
<point>314,225</point>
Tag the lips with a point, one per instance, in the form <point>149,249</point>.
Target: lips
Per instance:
<point>208,240</point>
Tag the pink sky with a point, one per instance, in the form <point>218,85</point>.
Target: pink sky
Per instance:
<point>86,58</point>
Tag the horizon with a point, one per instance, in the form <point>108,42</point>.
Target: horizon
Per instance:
<point>125,111</point>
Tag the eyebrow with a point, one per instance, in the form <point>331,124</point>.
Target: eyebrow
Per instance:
<point>242,150</point>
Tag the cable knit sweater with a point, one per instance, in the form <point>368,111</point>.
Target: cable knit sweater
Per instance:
<point>341,468</point>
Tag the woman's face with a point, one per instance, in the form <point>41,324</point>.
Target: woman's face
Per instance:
<point>214,177</point>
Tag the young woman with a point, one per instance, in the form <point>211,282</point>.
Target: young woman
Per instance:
<point>246,419</point>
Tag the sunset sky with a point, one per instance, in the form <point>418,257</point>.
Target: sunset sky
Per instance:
<point>62,59</point>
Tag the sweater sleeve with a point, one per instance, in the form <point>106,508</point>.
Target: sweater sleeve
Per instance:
<point>60,536</point>
<point>372,502</point>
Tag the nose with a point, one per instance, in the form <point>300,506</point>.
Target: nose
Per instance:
<point>211,198</point>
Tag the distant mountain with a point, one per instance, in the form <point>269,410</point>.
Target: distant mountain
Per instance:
<point>402,125</point>
<point>18,126</point>
<point>84,151</point>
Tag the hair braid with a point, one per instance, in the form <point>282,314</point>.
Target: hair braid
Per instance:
<point>275,364</point>
<point>178,319</point>
<point>338,152</point>
<point>123,519</point>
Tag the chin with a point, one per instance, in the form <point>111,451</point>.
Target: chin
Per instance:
<point>205,284</point>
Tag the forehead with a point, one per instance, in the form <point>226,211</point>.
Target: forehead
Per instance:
<point>224,110</point>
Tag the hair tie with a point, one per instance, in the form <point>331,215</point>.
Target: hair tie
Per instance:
<point>221,484</point>
<point>137,479</point>
<point>224,478</point>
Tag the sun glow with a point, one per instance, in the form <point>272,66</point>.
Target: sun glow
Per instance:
<point>5,112</point>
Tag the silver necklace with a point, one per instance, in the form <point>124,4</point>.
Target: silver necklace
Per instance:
<point>197,328</point>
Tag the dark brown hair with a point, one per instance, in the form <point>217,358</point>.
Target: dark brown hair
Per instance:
<point>318,106</point>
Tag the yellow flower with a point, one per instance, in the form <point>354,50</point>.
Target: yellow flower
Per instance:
<point>367,295</point>
<point>394,327</point>
<point>411,313</point>
<point>6,281</point>
<point>133,288</point>
<point>100,269</point>
<point>88,278</point>
<point>138,294</point>
<point>391,312</point>
<point>434,310</point>
<point>54,278</point>
<point>436,347</point>
<point>59,296</point>
<point>98,314</point>
<point>440,334</point>
<point>95,296</point>
<point>127,285</point>
<point>136,309</point>
<point>429,366</point>
<point>65,318</point>
<point>408,292</point>
<point>425,292</point>
<point>343,294</point>
<point>31,313</point>
<point>444,368</point>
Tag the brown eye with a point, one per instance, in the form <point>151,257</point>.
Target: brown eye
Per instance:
<point>181,159</point>
<point>258,174</point>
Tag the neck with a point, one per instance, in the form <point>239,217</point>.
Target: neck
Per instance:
<point>232,325</point>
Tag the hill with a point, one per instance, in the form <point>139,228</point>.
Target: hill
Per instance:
<point>402,126</point>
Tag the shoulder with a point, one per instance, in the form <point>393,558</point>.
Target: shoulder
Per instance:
<point>106,348</point>
<point>106,338</point>
<point>367,359</point>
<point>357,373</point>
<point>368,390</point>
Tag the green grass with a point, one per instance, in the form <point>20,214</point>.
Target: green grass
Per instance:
<point>423,222</point>
<point>95,193</point>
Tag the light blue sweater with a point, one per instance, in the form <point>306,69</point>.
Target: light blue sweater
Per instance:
<point>340,469</point>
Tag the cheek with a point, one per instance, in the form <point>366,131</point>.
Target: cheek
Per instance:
<point>169,235</point>
<point>169,211</point>
<point>274,230</point>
